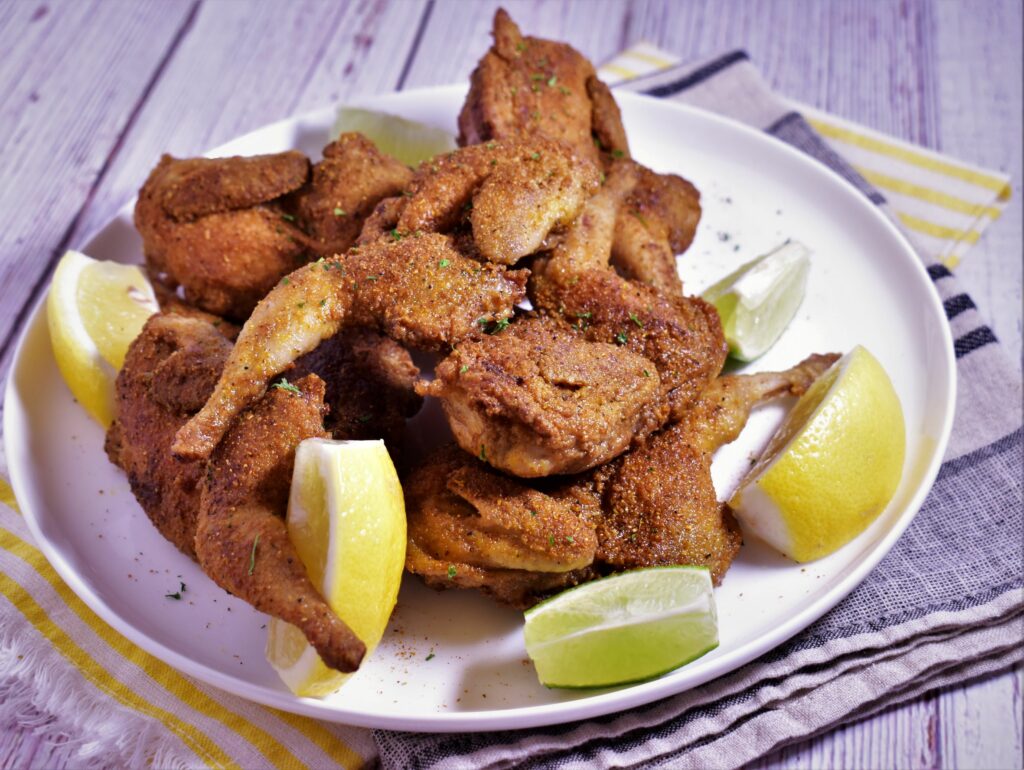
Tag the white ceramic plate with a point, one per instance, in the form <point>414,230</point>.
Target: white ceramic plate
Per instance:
<point>866,286</point>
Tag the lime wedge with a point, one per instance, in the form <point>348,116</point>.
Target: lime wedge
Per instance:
<point>408,141</point>
<point>757,301</point>
<point>624,628</point>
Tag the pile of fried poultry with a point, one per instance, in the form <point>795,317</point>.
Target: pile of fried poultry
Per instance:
<point>291,293</point>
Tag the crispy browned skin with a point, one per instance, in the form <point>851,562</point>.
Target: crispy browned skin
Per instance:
<point>659,501</point>
<point>418,290</point>
<point>194,187</point>
<point>470,527</point>
<point>658,220</point>
<point>682,336</point>
<point>169,372</point>
<point>370,382</point>
<point>511,195</point>
<point>241,539</point>
<point>525,86</point>
<point>346,186</point>
<point>212,226</point>
<point>536,399</point>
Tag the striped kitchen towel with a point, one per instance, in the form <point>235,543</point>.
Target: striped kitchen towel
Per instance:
<point>944,606</point>
<point>945,203</point>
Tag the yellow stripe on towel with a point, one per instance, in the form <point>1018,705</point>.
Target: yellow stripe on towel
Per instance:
<point>937,230</point>
<point>162,674</point>
<point>910,156</point>
<point>928,194</point>
<point>7,495</point>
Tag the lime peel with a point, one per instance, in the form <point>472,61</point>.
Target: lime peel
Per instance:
<point>406,140</point>
<point>625,628</point>
<point>757,301</point>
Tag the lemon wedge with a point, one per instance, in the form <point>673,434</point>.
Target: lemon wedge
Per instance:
<point>408,141</point>
<point>94,310</point>
<point>833,465</point>
<point>346,518</point>
<point>625,628</point>
<point>757,301</point>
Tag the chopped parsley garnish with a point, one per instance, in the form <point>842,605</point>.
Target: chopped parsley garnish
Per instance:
<point>463,369</point>
<point>552,80</point>
<point>444,263</point>
<point>584,315</point>
<point>565,91</point>
<point>639,217</point>
<point>288,217</point>
<point>535,155</point>
<point>493,327</point>
<point>646,373</point>
<point>252,554</point>
<point>395,235</point>
<point>452,572</point>
<point>177,594</point>
<point>490,145</point>
<point>569,539</point>
<point>533,512</point>
<point>285,281</point>
<point>430,656</point>
<point>637,321</point>
<point>483,453</point>
<point>551,539</point>
<point>372,277</point>
<point>520,46</point>
<point>339,212</point>
<point>285,385</point>
<point>618,154</point>
<point>537,76</point>
<point>323,302</point>
<point>622,338</point>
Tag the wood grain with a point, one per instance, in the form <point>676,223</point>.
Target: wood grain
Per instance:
<point>59,131</point>
<point>95,91</point>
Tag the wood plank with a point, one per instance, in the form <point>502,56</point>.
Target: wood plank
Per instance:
<point>244,65</point>
<point>458,34</point>
<point>983,724</point>
<point>978,61</point>
<point>72,76</point>
<point>906,737</point>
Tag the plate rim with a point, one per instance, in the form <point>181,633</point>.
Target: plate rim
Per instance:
<point>522,717</point>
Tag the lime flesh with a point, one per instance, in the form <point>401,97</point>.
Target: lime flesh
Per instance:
<point>757,301</point>
<point>406,140</point>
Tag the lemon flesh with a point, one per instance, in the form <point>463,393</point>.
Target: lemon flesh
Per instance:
<point>406,140</point>
<point>757,301</point>
<point>832,467</point>
<point>624,628</point>
<point>346,518</point>
<point>94,310</point>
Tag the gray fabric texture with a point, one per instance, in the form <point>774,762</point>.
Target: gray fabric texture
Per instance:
<point>945,606</point>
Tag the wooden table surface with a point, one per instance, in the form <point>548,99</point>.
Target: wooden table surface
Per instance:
<point>93,91</point>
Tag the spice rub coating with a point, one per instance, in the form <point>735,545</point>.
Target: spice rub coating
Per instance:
<point>242,542</point>
<point>536,399</point>
<point>169,371</point>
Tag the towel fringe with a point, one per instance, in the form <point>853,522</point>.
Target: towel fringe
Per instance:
<point>79,726</point>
